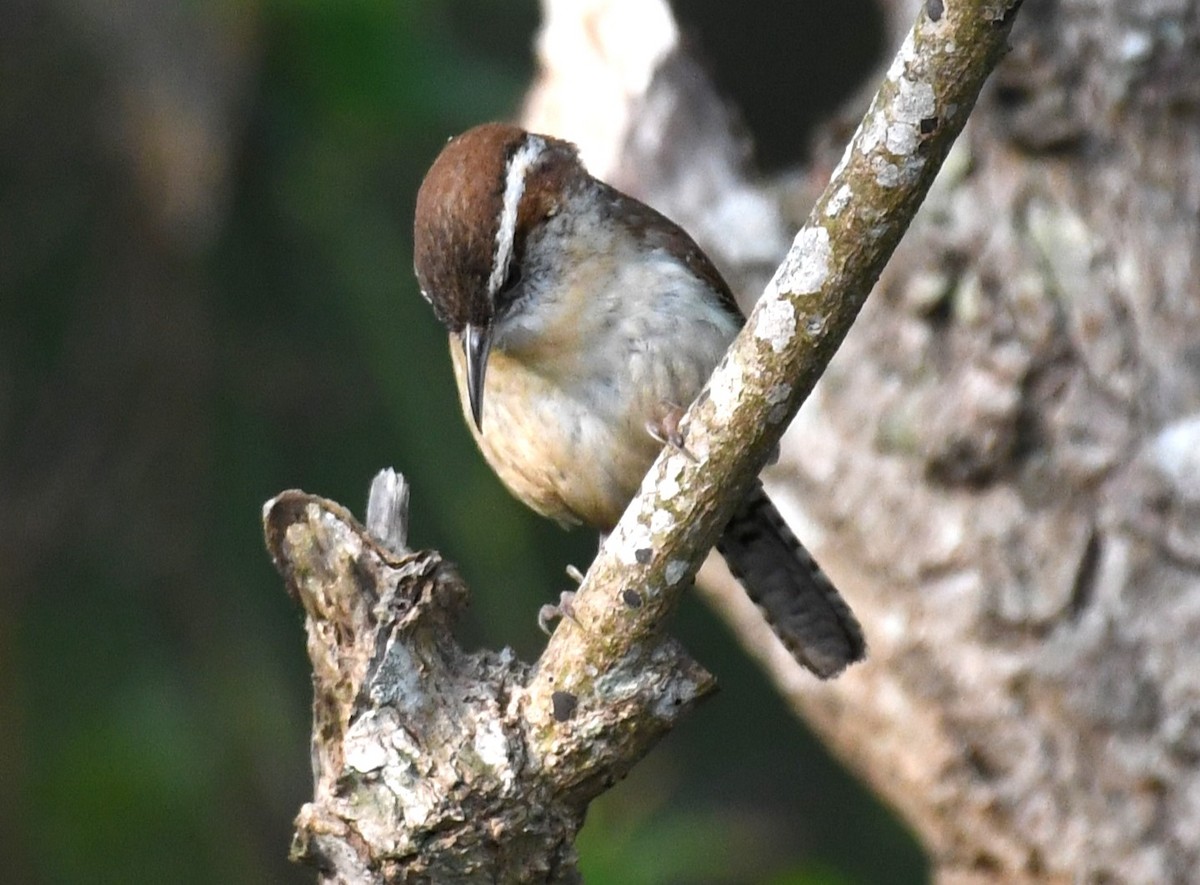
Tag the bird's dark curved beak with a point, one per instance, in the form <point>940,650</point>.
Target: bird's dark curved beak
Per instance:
<point>477,344</point>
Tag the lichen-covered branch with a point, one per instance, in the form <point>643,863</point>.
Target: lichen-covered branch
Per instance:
<point>789,338</point>
<point>428,763</point>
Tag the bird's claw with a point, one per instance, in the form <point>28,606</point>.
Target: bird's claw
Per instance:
<point>666,430</point>
<point>565,609</point>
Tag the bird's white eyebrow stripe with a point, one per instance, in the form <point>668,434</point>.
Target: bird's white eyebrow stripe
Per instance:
<point>514,187</point>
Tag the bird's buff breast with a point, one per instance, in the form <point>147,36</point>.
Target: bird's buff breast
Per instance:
<point>569,438</point>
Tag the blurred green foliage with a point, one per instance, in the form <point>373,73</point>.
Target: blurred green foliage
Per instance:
<point>206,298</point>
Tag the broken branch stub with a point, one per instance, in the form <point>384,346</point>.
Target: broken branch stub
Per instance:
<point>430,763</point>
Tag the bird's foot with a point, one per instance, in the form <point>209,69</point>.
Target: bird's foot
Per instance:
<point>565,609</point>
<point>667,431</point>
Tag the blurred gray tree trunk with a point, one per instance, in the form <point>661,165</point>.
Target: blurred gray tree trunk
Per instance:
<point>1002,466</point>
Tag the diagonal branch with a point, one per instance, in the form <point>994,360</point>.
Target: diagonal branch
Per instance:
<point>790,337</point>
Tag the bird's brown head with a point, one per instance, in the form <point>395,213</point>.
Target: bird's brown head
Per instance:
<point>486,193</point>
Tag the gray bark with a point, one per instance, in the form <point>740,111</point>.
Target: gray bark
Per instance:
<point>431,764</point>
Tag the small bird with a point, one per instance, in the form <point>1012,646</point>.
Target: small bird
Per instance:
<point>581,323</point>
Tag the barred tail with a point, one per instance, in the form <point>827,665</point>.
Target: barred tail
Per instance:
<point>802,606</point>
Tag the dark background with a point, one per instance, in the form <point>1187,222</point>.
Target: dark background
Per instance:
<point>206,298</point>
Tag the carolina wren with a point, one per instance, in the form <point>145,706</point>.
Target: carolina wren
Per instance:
<point>581,321</point>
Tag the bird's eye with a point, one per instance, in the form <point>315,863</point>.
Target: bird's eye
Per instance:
<point>512,281</point>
